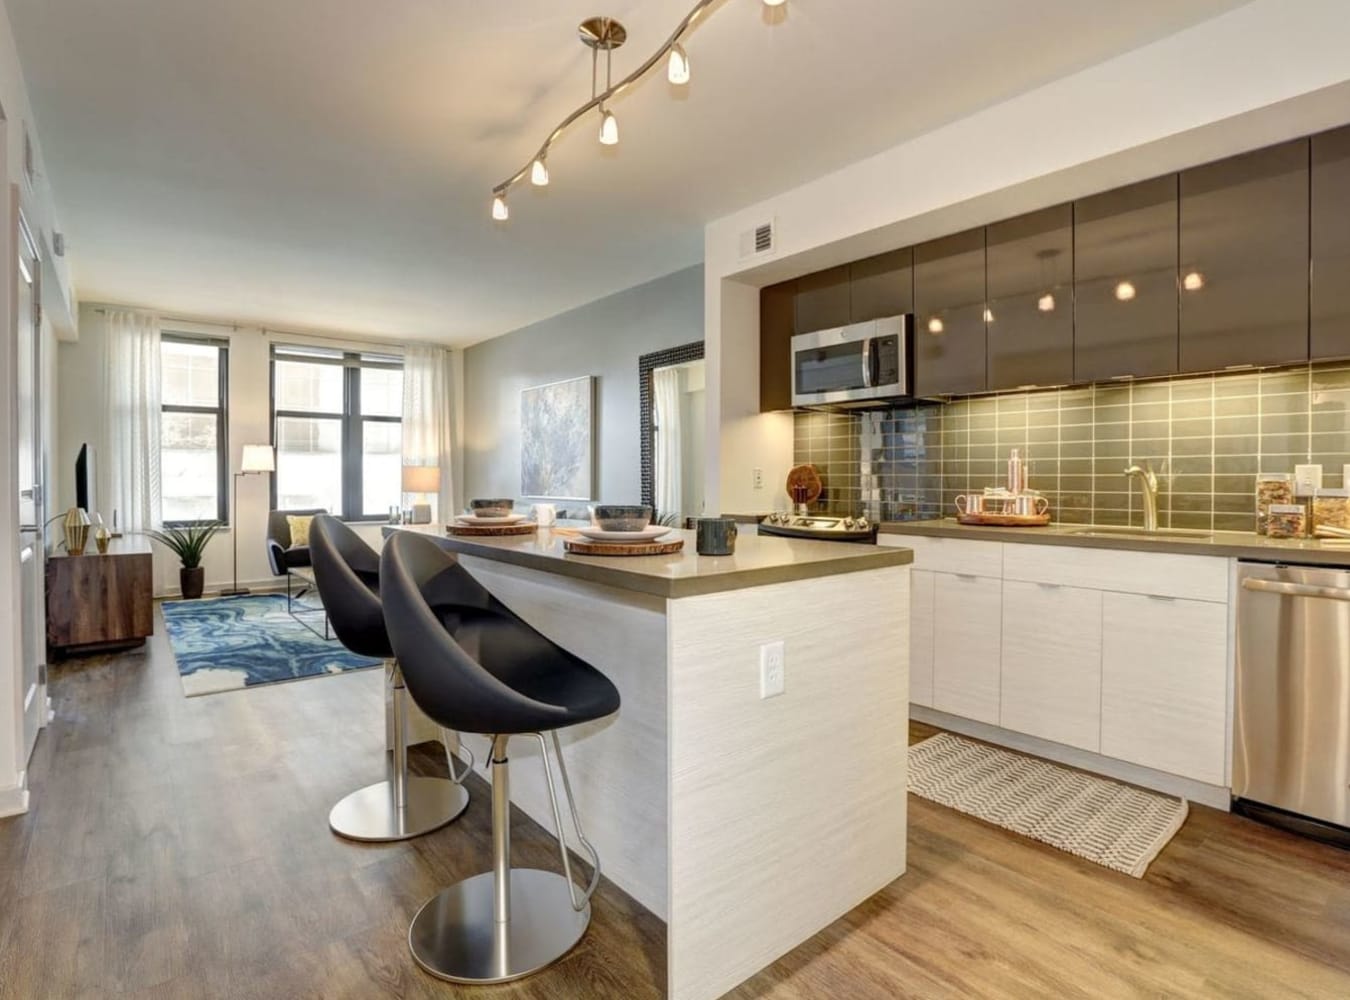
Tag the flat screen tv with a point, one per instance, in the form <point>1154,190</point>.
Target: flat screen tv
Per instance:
<point>84,478</point>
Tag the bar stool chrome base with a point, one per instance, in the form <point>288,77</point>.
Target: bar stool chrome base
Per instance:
<point>456,937</point>
<point>369,814</point>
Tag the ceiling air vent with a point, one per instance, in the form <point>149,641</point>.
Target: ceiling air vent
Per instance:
<point>757,241</point>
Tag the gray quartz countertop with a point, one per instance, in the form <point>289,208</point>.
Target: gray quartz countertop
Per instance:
<point>1230,544</point>
<point>757,561</point>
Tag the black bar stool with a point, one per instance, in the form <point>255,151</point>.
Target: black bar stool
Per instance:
<point>347,572</point>
<point>473,666</point>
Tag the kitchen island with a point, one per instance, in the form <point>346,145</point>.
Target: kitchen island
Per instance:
<point>747,822</point>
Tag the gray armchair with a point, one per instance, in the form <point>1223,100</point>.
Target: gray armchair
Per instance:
<point>279,552</point>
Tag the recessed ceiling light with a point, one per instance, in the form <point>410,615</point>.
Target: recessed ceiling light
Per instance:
<point>1193,282</point>
<point>1046,303</point>
<point>1125,291</point>
<point>934,324</point>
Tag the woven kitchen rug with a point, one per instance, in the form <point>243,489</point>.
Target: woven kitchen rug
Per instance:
<point>1109,823</point>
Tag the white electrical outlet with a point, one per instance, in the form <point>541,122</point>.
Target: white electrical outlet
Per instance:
<point>772,670</point>
<point>757,478</point>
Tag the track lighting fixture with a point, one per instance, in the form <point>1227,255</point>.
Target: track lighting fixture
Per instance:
<point>604,34</point>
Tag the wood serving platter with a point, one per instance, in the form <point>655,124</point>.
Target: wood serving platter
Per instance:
<point>1005,520</point>
<point>585,547</point>
<point>491,530</point>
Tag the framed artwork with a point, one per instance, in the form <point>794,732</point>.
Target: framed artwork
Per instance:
<point>557,456</point>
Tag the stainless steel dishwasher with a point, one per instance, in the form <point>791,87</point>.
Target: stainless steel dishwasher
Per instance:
<point>1291,712</point>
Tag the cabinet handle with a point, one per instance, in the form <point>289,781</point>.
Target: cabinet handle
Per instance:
<point>1296,589</point>
<point>966,576</point>
<point>1050,586</point>
<point>1160,597</point>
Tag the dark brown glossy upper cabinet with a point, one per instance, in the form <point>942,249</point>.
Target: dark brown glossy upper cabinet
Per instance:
<point>1125,282</point>
<point>1330,300</point>
<point>1244,260</point>
<point>882,286</point>
<point>1029,286</point>
<point>950,352</point>
<point>777,320</point>
<point>823,300</point>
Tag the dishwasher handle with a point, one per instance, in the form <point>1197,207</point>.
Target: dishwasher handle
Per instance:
<point>1296,589</point>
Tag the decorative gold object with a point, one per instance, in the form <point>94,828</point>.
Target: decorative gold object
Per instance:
<point>77,531</point>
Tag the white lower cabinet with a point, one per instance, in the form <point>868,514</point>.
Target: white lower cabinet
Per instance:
<point>1165,684</point>
<point>1052,663</point>
<point>967,637</point>
<point>921,637</point>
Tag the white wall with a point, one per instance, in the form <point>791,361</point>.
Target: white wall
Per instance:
<point>1262,73</point>
<point>82,411</point>
<point>39,210</point>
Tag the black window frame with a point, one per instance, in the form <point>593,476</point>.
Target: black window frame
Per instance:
<point>351,420</point>
<point>222,414</point>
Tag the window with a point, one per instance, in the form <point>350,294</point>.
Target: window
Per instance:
<point>337,425</point>
<point>194,468</point>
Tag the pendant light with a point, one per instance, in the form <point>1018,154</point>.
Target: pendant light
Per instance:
<point>609,129</point>
<point>677,70</point>
<point>499,210</point>
<point>539,173</point>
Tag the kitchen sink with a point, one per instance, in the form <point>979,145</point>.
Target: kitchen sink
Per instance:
<point>1096,531</point>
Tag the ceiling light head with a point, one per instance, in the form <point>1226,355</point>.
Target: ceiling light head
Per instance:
<point>539,173</point>
<point>1193,282</point>
<point>1046,303</point>
<point>500,212</point>
<point>677,69</point>
<point>988,315</point>
<point>1125,291</point>
<point>935,325</point>
<point>609,128</point>
<point>774,3</point>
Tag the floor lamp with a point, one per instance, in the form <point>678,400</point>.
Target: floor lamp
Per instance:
<point>257,458</point>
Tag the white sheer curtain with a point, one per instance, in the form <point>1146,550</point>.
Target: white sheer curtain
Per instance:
<point>666,464</point>
<point>428,416</point>
<point>131,384</point>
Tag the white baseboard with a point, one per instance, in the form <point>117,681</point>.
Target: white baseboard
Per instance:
<point>271,585</point>
<point>14,801</point>
<point>1160,781</point>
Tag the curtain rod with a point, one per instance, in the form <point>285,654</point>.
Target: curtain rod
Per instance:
<point>267,330</point>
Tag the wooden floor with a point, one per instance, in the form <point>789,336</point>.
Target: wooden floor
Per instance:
<point>178,848</point>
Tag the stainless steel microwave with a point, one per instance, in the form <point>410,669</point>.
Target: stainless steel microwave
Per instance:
<point>853,367</point>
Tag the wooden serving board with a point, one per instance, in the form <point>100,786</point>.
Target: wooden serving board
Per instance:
<point>585,547</point>
<point>1006,520</point>
<point>491,530</point>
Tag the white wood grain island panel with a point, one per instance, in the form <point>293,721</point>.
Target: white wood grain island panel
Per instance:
<point>749,824</point>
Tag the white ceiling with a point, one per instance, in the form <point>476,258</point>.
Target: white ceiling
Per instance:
<point>328,164</point>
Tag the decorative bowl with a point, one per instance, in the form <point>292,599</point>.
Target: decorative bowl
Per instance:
<point>492,508</point>
<point>620,517</point>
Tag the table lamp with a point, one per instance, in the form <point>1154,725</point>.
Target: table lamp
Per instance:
<point>421,480</point>
<point>256,459</point>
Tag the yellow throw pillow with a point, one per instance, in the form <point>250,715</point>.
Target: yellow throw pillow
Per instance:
<point>299,525</point>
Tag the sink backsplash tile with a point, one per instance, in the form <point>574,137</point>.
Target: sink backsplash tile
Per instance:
<point>1206,436</point>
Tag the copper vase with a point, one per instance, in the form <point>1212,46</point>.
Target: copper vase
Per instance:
<point>77,531</point>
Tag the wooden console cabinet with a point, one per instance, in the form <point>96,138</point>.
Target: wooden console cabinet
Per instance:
<point>100,600</point>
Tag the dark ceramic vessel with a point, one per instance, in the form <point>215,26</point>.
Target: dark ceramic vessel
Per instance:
<point>620,517</point>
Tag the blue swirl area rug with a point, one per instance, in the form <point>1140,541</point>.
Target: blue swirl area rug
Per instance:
<point>229,643</point>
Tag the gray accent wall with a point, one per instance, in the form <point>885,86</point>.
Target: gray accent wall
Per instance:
<point>604,338</point>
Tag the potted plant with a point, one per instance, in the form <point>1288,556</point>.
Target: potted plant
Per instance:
<point>188,543</point>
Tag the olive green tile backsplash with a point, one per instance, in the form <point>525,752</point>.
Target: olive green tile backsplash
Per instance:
<point>1206,436</point>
